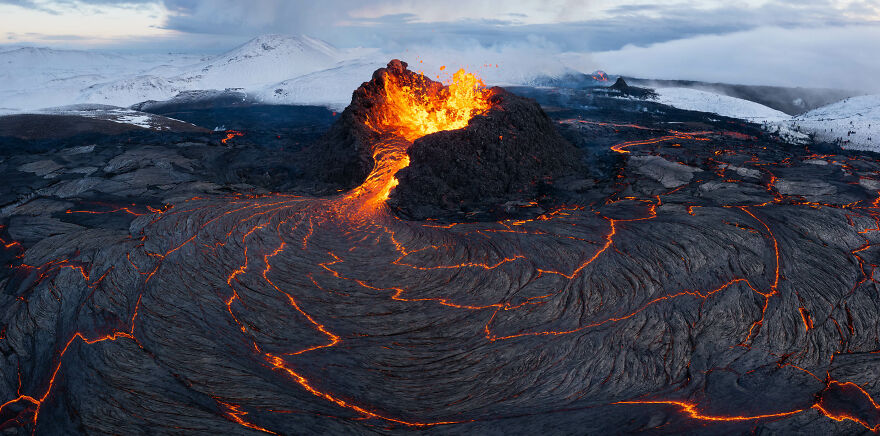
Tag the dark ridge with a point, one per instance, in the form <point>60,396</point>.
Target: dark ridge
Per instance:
<point>620,84</point>
<point>45,126</point>
<point>57,126</point>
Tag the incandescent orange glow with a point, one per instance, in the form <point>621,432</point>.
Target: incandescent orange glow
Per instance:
<point>414,106</point>
<point>231,134</point>
<point>419,107</point>
<point>692,411</point>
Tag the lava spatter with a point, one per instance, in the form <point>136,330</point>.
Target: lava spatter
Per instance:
<point>414,106</point>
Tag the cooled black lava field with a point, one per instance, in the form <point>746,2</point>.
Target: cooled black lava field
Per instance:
<point>598,264</point>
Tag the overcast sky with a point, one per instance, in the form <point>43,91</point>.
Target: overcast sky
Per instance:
<point>781,42</point>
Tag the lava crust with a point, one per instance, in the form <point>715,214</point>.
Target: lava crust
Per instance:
<point>720,281</point>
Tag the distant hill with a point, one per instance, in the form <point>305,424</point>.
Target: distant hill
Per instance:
<point>792,101</point>
<point>853,123</point>
<point>703,101</point>
<point>260,62</point>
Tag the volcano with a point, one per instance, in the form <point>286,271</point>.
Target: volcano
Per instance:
<point>676,274</point>
<point>452,151</point>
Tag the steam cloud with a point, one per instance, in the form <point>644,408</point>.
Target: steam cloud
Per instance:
<point>830,57</point>
<point>819,43</point>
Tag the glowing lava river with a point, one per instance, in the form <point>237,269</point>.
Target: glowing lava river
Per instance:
<point>655,310</point>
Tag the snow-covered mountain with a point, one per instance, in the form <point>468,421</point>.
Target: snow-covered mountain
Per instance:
<point>261,61</point>
<point>853,123</point>
<point>277,68</point>
<point>254,65</point>
<point>129,91</point>
<point>285,69</point>
<point>331,87</point>
<point>28,67</point>
<point>33,78</point>
<point>281,69</point>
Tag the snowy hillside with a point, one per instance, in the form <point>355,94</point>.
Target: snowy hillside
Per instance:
<point>280,69</point>
<point>260,62</point>
<point>37,77</point>
<point>331,87</point>
<point>284,69</point>
<point>772,120</point>
<point>702,101</point>
<point>129,91</point>
<point>854,123</point>
<point>33,78</point>
<point>121,116</point>
<point>28,67</point>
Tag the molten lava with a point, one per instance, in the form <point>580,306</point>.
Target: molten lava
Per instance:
<point>231,134</point>
<point>600,76</point>
<point>414,106</point>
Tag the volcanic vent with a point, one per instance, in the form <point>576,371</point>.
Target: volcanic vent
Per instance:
<point>442,151</point>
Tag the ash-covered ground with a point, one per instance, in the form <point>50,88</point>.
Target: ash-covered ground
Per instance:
<point>683,273</point>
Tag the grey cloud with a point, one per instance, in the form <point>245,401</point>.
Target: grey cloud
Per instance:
<point>259,16</point>
<point>845,57</point>
<point>676,39</point>
<point>627,24</point>
<point>57,7</point>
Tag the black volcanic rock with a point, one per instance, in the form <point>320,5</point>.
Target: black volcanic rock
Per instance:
<point>620,85</point>
<point>502,156</point>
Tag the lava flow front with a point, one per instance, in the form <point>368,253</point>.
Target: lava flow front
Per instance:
<point>698,288</point>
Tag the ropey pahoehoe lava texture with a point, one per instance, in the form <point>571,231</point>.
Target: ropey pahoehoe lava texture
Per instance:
<point>723,284</point>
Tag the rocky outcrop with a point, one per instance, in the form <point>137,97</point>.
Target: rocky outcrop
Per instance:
<point>669,174</point>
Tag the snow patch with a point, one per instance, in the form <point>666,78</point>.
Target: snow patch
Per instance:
<point>771,120</point>
<point>702,101</point>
